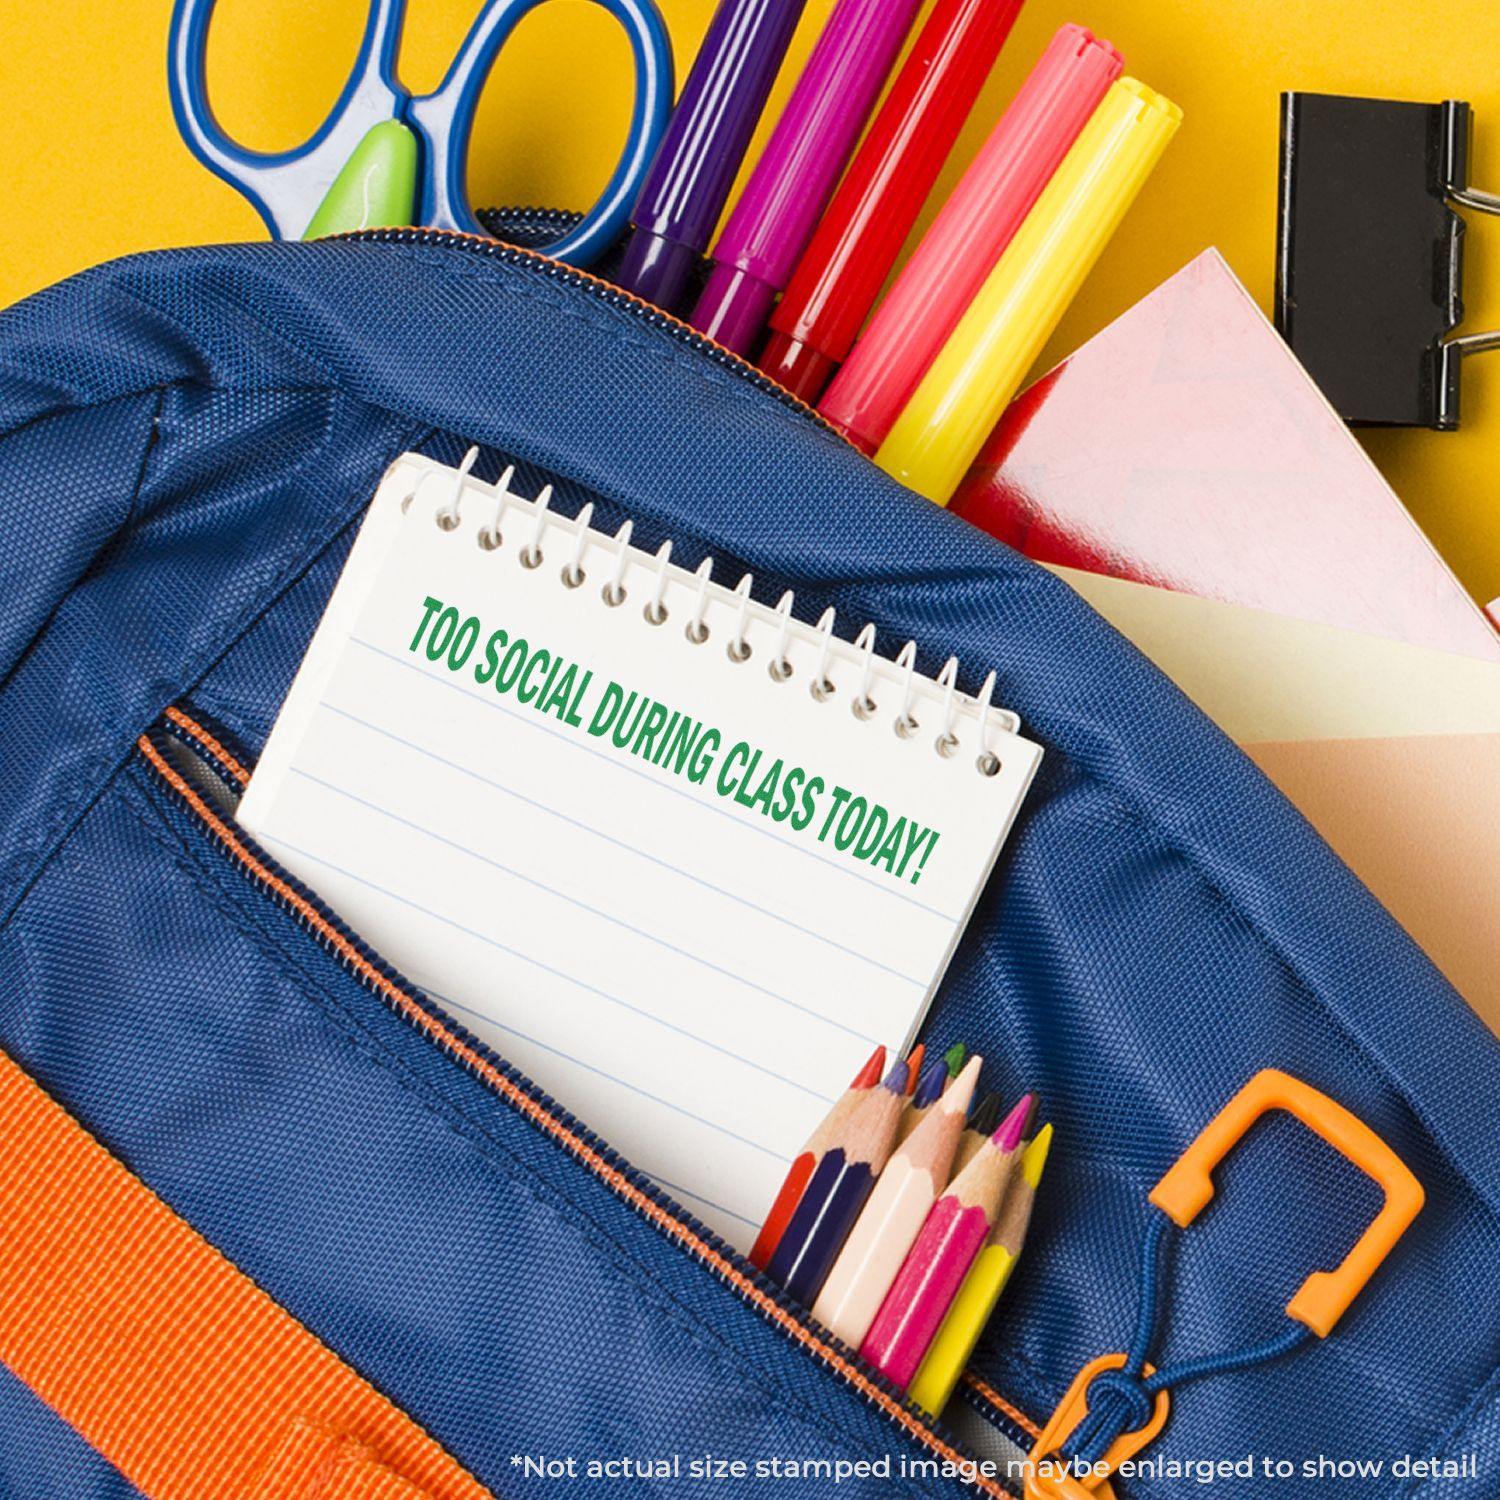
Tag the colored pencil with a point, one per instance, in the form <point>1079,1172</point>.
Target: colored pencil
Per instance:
<point>983,1285</point>
<point>800,1172</point>
<point>947,1246</point>
<point>928,1091</point>
<point>954,1057</point>
<point>894,1216</point>
<point>838,1189</point>
<point>980,1128</point>
<point>914,1066</point>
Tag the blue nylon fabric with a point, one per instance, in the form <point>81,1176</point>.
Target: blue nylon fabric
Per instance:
<point>186,442</point>
<point>41,1456</point>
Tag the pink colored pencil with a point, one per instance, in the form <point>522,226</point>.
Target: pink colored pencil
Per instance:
<point>968,236</point>
<point>932,1273</point>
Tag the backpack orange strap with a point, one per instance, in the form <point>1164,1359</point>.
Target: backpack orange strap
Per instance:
<point>168,1360</point>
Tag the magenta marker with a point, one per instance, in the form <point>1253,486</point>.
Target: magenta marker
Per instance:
<point>792,181</point>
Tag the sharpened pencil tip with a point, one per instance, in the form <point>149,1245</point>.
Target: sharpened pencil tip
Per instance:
<point>931,1084</point>
<point>1034,1158</point>
<point>960,1092</point>
<point>1008,1136</point>
<point>914,1065</point>
<point>895,1080</point>
<point>869,1075</point>
<point>986,1114</point>
<point>954,1059</point>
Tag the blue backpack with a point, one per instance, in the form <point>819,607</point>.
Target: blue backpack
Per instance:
<point>187,442</point>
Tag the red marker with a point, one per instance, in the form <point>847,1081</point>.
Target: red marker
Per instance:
<point>846,263</point>
<point>806,1161</point>
<point>967,237</point>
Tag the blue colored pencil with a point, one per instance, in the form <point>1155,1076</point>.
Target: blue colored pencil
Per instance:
<point>929,1090</point>
<point>838,1190</point>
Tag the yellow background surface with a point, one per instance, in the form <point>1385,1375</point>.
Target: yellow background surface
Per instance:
<point>96,169</point>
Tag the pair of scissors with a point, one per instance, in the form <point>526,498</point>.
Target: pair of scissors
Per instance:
<point>387,157</point>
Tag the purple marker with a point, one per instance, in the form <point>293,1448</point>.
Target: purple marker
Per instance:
<point>790,185</point>
<point>690,179</point>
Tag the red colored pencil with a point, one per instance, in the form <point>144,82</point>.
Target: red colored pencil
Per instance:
<point>806,1162</point>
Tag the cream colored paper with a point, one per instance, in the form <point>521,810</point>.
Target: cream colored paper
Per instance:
<point>1391,751</point>
<point>1264,676</point>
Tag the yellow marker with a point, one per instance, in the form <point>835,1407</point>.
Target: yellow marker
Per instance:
<point>941,429</point>
<point>981,1288</point>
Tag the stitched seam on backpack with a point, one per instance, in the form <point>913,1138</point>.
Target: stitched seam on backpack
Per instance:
<point>95,772</point>
<point>1483,1399</point>
<point>45,623</point>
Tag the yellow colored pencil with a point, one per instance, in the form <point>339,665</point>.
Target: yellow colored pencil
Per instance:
<point>940,430</point>
<point>976,1299</point>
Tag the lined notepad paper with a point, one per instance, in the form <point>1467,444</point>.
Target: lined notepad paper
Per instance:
<point>659,874</point>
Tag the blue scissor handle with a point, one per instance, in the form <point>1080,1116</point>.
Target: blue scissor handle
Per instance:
<point>288,186</point>
<point>285,186</point>
<point>444,121</point>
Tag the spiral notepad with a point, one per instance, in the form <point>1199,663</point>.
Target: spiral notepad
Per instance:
<point>680,856</point>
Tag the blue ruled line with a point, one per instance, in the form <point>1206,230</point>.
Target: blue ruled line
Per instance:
<point>609,838</point>
<point>537,963</point>
<point>533,721</point>
<point>534,883</point>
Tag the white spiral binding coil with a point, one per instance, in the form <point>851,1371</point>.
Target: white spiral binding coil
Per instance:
<point>707,597</point>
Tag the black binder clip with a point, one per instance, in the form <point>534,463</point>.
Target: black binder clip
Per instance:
<point>1369,253</point>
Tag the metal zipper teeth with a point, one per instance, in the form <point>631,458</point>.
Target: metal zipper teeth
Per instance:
<point>603,291</point>
<point>180,727</point>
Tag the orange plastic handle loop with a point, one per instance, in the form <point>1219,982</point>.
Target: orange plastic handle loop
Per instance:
<point>1321,1300</point>
<point>1071,1410</point>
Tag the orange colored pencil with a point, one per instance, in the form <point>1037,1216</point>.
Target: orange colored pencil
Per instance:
<point>914,1067</point>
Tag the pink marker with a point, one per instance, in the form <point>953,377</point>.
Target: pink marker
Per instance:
<point>968,236</point>
<point>953,1235</point>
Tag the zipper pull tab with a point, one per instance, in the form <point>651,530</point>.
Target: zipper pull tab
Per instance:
<point>1051,1476</point>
